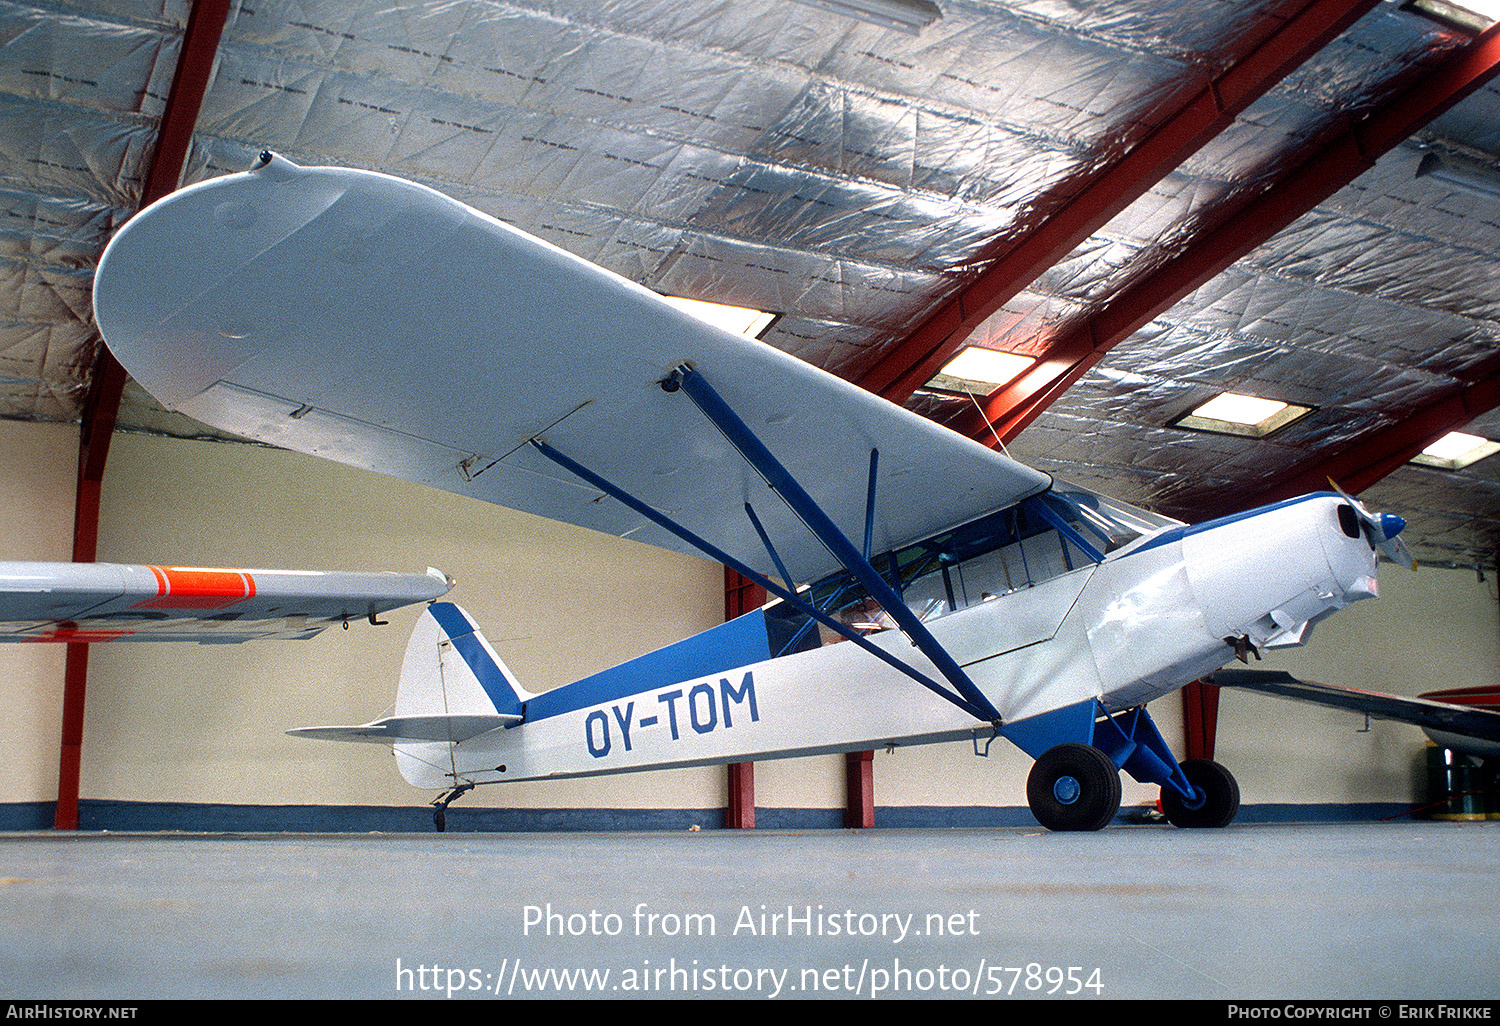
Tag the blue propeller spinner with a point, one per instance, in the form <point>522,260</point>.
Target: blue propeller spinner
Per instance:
<point>1383,530</point>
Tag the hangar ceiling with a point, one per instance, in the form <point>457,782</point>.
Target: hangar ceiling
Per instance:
<point>853,179</point>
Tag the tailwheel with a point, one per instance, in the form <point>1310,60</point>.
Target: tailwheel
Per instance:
<point>1220,796</point>
<point>1073,787</point>
<point>440,807</point>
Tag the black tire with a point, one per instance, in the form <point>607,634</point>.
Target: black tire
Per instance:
<point>1221,797</point>
<point>1073,787</point>
<point>440,819</point>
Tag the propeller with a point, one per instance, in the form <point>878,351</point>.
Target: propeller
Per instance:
<point>1382,529</point>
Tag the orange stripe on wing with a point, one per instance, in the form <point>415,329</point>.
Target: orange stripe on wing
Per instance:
<point>190,587</point>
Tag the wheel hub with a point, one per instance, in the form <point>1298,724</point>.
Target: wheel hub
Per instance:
<point>1066,789</point>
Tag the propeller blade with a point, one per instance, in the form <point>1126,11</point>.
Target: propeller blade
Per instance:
<point>1381,530</point>
<point>1396,551</point>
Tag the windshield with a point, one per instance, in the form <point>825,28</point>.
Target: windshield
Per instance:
<point>1046,536</point>
<point>1101,519</point>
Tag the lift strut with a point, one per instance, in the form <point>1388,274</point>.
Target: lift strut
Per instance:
<point>785,594</point>
<point>712,405</point>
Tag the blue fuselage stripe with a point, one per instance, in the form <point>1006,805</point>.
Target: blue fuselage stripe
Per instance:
<point>739,642</point>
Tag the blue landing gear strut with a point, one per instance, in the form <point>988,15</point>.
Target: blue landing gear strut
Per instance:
<point>1079,751</point>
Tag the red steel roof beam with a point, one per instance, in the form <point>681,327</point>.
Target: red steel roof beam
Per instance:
<point>1369,459</point>
<point>200,44</point>
<point>913,363</point>
<point>1354,151</point>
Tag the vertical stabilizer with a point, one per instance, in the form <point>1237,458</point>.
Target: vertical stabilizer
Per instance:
<point>451,670</point>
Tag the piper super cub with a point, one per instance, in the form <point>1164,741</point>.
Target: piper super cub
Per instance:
<point>956,594</point>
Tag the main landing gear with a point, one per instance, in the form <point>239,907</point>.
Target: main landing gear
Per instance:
<point>1080,751</point>
<point>440,807</point>
<point>1077,787</point>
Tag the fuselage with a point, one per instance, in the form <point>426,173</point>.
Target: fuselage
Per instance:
<point>1149,616</point>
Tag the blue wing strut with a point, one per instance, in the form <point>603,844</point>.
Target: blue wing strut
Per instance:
<point>714,552</point>
<point>825,530</point>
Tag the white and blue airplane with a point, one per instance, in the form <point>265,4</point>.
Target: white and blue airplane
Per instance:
<point>926,588</point>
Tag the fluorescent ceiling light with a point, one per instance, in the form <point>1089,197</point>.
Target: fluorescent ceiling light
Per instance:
<point>1470,15</point>
<point>738,320</point>
<point>1456,450</point>
<point>909,16</point>
<point>979,370</point>
<point>1250,416</point>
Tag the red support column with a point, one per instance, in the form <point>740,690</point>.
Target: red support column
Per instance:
<point>1200,719</point>
<point>740,815</point>
<point>859,779</point>
<point>93,445</point>
<point>1084,209</point>
<point>189,83</point>
<point>741,595</point>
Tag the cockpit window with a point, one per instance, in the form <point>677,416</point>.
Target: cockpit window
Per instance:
<point>1109,523</point>
<point>1045,536</point>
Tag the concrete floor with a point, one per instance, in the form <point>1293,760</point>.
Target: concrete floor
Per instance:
<point>1389,911</point>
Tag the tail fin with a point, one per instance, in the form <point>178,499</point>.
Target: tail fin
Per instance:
<point>451,670</point>
<point>450,677</point>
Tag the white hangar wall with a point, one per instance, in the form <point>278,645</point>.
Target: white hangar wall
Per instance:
<point>203,724</point>
<point>38,469</point>
<point>190,723</point>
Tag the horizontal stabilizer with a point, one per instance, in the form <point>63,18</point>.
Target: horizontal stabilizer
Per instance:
<point>395,729</point>
<point>1448,718</point>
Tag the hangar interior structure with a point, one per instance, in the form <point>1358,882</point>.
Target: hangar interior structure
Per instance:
<point>1142,204</point>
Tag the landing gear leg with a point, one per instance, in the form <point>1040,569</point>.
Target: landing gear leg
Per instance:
<point>440,807</point>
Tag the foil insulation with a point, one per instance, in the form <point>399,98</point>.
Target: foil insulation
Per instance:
<point>849,178</point>
<point>82,87</point>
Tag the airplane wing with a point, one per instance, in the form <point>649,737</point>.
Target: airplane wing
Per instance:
<point>379,323</point>
<point>1462,727</point>
<point>95,602</point>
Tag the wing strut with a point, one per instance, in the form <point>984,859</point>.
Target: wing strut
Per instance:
<point>714,552</point>
<point>765,539</point>
<point>811,514</point>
